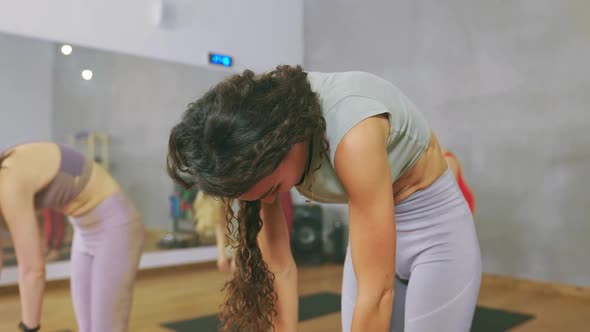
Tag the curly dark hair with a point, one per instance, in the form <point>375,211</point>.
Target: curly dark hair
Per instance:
<point>228,140</point>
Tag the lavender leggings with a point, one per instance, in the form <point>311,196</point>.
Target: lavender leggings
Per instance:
<point>105,256</point>
<point>439,257</point>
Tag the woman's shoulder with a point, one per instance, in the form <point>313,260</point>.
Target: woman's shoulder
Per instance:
<point>29,147</point>
<point>336,88</point>
<point>28,155</point>
<point>31,165</point>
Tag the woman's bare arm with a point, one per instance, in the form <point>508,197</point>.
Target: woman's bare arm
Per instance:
<point>275,246</point>
<point>362,165</point>
<point>16,203</point>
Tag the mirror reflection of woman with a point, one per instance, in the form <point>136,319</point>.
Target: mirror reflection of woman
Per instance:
<point>108,232</point>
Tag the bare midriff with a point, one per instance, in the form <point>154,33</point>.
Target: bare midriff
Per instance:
<point>429,167</point>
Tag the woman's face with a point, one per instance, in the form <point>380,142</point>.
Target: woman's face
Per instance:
<point>285,177</point>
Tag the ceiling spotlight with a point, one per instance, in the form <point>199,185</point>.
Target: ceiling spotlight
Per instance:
<point>87,74</point>
<point>66,49</point>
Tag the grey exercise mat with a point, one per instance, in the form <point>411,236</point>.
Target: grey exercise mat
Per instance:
<point>320,304</point>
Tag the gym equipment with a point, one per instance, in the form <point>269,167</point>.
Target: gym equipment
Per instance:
<point>306,240</point>
<point>339,240</point>
<point>181,211</point>
<point>94,144</point>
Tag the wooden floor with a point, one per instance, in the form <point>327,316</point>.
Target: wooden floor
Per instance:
<point>194,291</point>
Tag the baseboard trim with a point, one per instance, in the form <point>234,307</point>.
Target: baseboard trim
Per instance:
<point>149,260</point>
<point>148,273</point>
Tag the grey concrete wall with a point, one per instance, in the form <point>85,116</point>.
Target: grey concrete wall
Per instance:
<point>136,101</point>
<point>26,93</point>
<point>506,85</point>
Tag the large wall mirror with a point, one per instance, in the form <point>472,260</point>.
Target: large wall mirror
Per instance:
<point>117,107</point>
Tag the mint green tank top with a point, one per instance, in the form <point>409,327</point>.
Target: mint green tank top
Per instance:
<point>346,99</point>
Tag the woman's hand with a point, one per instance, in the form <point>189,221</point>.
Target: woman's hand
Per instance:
<point>223,264</point>
<point>276,251</point>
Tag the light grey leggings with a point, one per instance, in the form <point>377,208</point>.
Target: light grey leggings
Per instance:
<point>105,256</point>
<point>439,256</point>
